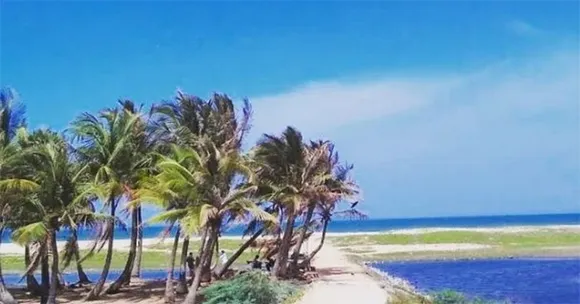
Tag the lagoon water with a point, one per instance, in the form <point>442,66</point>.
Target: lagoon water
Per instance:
<point>539,281</point>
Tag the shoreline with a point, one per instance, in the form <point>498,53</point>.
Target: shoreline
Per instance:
<point>123,244</point>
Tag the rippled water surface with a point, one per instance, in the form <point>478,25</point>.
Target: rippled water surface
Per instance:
<point>550,281</point>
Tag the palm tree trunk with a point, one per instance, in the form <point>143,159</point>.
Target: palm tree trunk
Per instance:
<point>317,249</point>
<point>301,237</point>
<point>182,282</point>
<point>95,292</point>
<point>282,259</point>
<point>169,291</point>
<point>83,278</point>
<point>125,277</point>
<point>31,283</point>
<point>5,296</point>
<point>54,271</point>
<point>236,255</point>
<point>206,251</point>
<point>44,276</point>
<point>206,267</point>
<point>137,264</point>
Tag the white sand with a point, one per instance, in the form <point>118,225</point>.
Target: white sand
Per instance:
<point>341,281</point>
<point>14,249</point>
<point>507,229</point>
<point>378,249</point>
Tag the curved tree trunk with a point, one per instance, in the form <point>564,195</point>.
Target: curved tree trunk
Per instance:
<point>125,276</point>
<point>222,270</point>
<point>317,249</point>
<point>169,291</point>
<point>31,283</point>
<point>137,264</point>
<point>182,281</point>
<point>5,296</point>
<point>206,251</point>
<point>54,268</point>
<point>281,264</point>
<point>83,278</point>
<point>301,237</point>
<point>44,276</point>
<point>97,289</point>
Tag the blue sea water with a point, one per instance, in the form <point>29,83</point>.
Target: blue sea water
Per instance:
<point>371,225</point>
<point>538,281</point>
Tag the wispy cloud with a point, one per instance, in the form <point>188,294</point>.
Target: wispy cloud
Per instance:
<point>506,133</point>
<point>523,28</point>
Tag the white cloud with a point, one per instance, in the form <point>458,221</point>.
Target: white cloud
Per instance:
<point>506,138</point>
<point>522,28</point>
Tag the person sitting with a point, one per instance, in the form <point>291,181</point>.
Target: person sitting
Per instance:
<point>255,263</point>
<point>270,264</point>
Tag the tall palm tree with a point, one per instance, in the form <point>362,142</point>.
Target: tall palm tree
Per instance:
<point>139,165</point>
<point>105,146</point>
<point>55,200</point>
<point>292,169</point>
<point>11,120</point>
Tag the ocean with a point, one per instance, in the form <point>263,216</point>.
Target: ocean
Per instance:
<point>371,225</point>
<point>522,281</point>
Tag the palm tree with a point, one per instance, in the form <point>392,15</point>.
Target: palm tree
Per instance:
<point>139,165</point>
<point>105,146</point>
<point>55,200</point>
<point>292,169</point>
<point>343,189</point>
<point>175,189</point>
<point>11,183</point>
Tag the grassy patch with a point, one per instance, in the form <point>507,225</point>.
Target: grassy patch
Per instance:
<point>151,260</point>
<point>542,238</point>
<point>472,254</point>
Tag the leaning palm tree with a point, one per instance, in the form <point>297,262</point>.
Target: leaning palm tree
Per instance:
<point>55,200</point>
<point>105,147</point>
<point>343,189</point>
<point>138,166</point>
<point>292,169</point>
<point>11,181</point>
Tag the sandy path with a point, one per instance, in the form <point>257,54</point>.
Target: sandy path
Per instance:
<point>341,281</point>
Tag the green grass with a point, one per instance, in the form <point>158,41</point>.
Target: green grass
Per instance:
<point>151,260</point>
<point>526,239</point>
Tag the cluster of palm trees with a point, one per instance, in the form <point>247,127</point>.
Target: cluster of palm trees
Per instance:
<point>184,156</point>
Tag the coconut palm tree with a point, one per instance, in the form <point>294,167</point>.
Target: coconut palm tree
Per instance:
<point>343,189</point>
<point>11,182</point>
<point>139,165</point>
<point>292,169</point>
<point>55,201</point>
<point>105,146</point>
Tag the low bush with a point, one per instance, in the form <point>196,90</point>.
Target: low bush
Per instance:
<point>252,287</point>
<point>453,297</point>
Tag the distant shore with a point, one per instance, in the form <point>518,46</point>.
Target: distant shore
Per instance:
<point>123,244</point>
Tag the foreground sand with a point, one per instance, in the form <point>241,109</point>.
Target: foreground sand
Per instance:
<point>342,281</point>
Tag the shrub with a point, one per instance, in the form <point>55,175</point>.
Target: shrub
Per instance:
<point>453,297</point>
<point>249,288</point>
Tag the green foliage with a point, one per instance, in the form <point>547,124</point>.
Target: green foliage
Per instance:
<point>522,239</point>
<point>453,297</point>
<point>249,288</point>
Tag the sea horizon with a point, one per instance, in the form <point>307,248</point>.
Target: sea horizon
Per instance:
<point>372,225</point>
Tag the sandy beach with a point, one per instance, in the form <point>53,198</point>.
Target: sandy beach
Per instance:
<point>123,244</point>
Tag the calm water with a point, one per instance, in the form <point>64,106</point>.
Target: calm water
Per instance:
<point>549,281</point>
<point>385,224</point>
<point>12,279</point>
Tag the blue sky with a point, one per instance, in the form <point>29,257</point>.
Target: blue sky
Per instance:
<point>445,108</point>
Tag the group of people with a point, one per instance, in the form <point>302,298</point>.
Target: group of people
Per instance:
<point>192,262</point>
<point>256,263</point>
